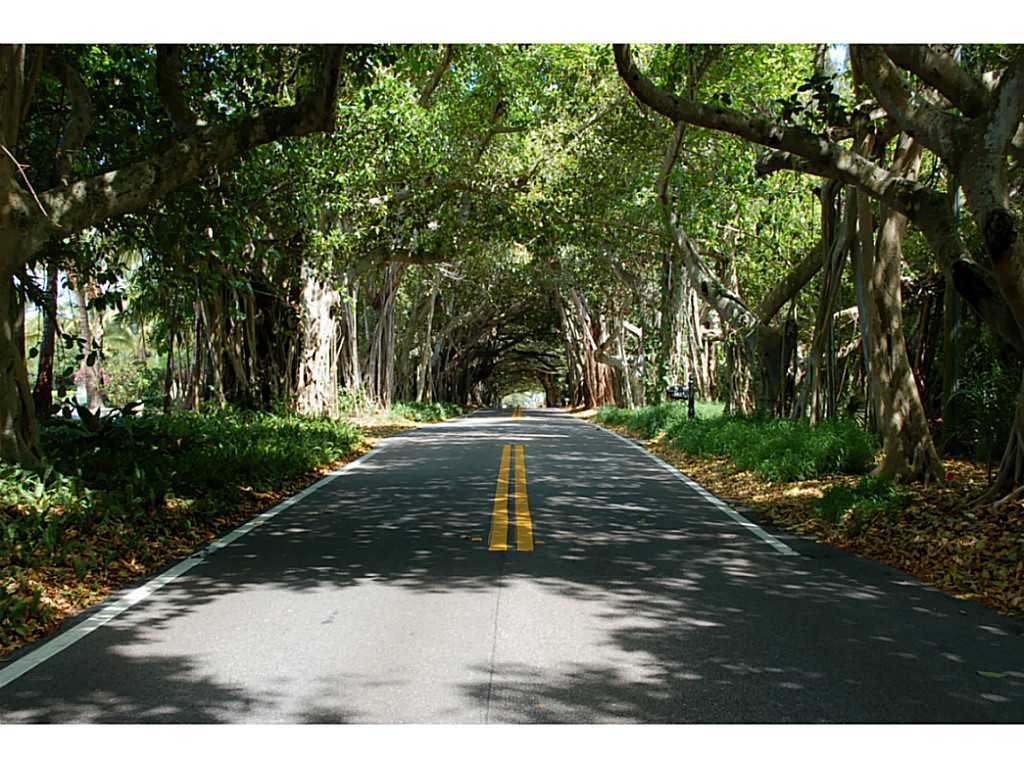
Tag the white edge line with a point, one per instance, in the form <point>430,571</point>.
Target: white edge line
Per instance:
<point>780,547</point>
<point>69,637</point>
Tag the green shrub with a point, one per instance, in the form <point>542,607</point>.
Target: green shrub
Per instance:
<point>855,507</point>
<point>415,411</point>
<point>105,496</point>
<point>190,453</point>
<point>357,403</point>
<point>778,449</point>
<point>652,420</point>
<point>127,380</point>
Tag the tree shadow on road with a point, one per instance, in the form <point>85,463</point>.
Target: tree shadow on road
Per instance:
<point>657,607</point>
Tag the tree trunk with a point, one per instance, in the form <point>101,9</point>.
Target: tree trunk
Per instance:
<point>351,376</point>
<point>550,390</point>
<point>907,442</point>
<point>424,391</point>
<point>812,399</point>
<point>950,363</point>
<point>317,386</point>
<point>42,395</point>
<point>740,401</point>
<point>19,440</point>
<point>672,282</point>
<point>1006,249</point>
<point>172,329</point>
<point>380,368</point>
<point>862,278</point>
<point>195,391</point>
<point>88,374</point>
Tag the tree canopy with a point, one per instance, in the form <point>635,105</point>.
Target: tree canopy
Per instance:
<point>299,227</point>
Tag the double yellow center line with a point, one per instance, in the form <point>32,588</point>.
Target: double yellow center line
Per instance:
<point>498,541</point>
<point>517,412</point>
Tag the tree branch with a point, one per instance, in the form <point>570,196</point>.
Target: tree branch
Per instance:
<point>79,121</point>
<point>12,85</point>
<point>939,70</point>
<point>1008,109</point>
<point>914,114</point>
<point>730,307</point>
<point>170,90</point>
<point>33,80</point>
<point>83,203</point>
<point>823,157</point>
<point>794,281</point>
<point>439,72</point>
<point>667,162</point>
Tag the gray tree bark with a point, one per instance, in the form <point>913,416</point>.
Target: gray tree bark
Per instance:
<point>316,390</point>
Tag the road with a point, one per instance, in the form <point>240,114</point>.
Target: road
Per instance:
<point>614,593</point>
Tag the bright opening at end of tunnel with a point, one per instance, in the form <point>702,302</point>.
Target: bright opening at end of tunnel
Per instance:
<point>523,400</point>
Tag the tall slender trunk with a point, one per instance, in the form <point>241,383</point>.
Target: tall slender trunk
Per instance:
<point>573,364</point>
<point>950,362</point>
<point>317,385</point>
<point>42,394</point>
<point>423,378</point>
<point>172,330</point>
<point>195,392</point>
<point>906,440</point>
<point>19,439</point>
<point>672,283</point>
<point>380,369</point>
<point>813,401</point>
<point>213,317</point>
<point>862,279</point>
<point>88,374</point>
<point>596,375</point>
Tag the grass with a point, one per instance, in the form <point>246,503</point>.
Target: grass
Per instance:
<point>414,411</point>
<point>128,495</point>
<point>778,449</point>
<point>856,507</point>
<point>773,449</point>
<point>357,406</point>
<point>928,531</point>
<point>652,420</point>
<point>124,497</point>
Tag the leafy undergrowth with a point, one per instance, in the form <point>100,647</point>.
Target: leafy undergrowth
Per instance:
<point>426,412</point>
<point>654,419</point>
<point>774,449</point>
<point>128,499</point>
<point>932,533</point>
<point>359,409</point>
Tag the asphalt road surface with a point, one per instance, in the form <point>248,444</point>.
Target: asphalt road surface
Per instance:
<point>567,577</point>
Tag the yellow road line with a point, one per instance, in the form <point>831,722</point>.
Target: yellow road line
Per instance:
<point>498,540</point>
<point>524,525</point>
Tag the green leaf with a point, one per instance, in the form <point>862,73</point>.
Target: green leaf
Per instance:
<point>992,675</point>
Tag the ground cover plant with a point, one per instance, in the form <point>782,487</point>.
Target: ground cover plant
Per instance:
<point>126,493</point>
<point>774,449</point>
<point>931,531</point>
<point>651,420</point>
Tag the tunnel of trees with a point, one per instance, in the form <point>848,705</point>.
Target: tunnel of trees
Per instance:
<point>804,232</point>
